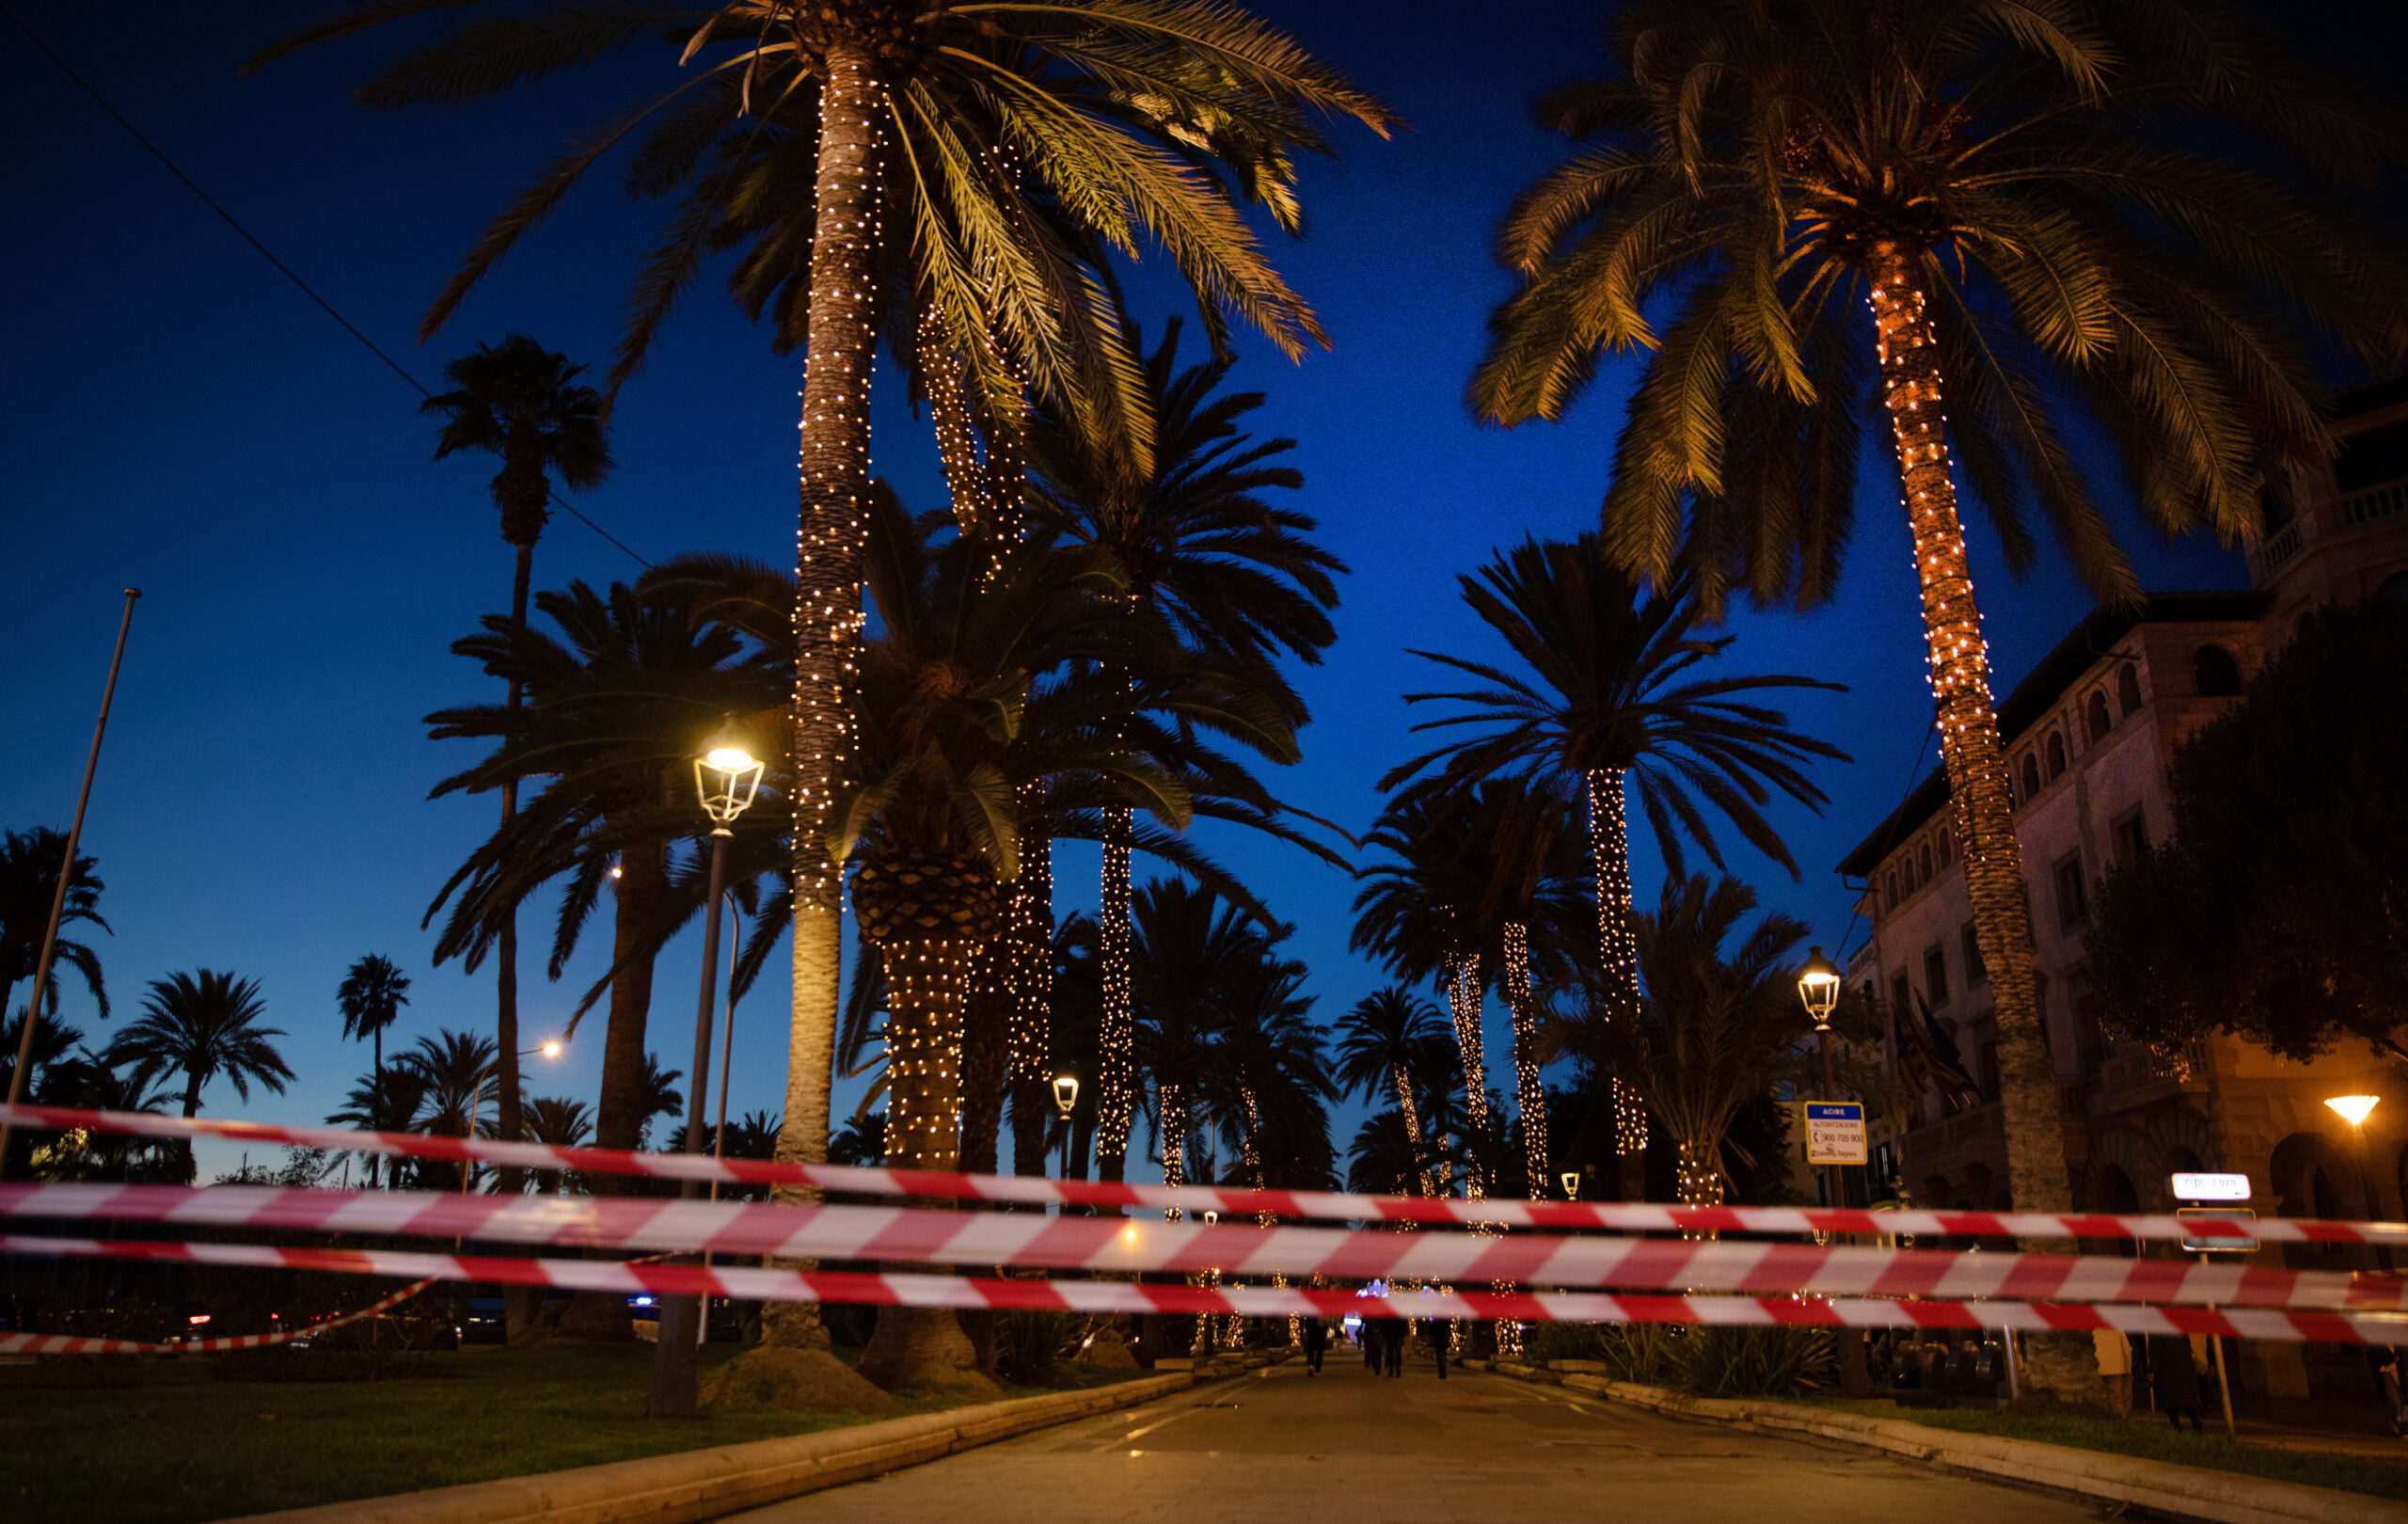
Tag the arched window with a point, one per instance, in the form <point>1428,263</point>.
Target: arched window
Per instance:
<point>2056,756</point>
<point>2215,673</point>
<point>2094,716</point>
<point>1947,847</point>
<point>2031,777</point>
<point>1923,864</point>
<point>2128,689</point>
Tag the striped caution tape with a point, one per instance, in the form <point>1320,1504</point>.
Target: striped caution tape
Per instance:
<point>1116,1296</point>
<point>1033,1240</point>
<point>23,1343</point>
<point>1625,1217</point>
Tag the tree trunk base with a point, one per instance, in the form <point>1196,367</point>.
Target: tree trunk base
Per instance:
<point>791,1381</point>
<point>596,1317</point>
<point>2061,1369</point>
<point>522,1306</point>
<point>922,1347</point>
<point>1633,1172</point>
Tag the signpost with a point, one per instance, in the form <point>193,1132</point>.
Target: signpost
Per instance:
<point>1835,1133</point>
<point>2197,1188</point>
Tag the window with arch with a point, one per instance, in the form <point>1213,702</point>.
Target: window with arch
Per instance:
<point>2128,689</point>
<point>2214,672</point>
<point>1923,864</point>
<point>2056,755</point>
<point>2095,717</point>
<point>2030,777</point>
<point>1947,847</point>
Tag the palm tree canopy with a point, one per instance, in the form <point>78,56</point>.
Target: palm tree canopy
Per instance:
<point>204,1026</point>
<point>456,1071</point>
<point>1022,140</point>
<point>1460,864</point>
<point>2133,218</point>
<point>29,865</point>
<point>372,997</point>
<point>521,401</point>
<point>1388,1030</point>
<point>1605,681</point>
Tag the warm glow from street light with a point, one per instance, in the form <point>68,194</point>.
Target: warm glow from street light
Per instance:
<point>727,776</point>
<point>1066,1092</point>
<point>550,1050</point>
<point>729,758</point>
<point>1571,1179</point>
<point>1818,987</point>
<point>2354,1108</point>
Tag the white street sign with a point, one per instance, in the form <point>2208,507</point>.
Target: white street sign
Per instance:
<point>2211,1187</point>
<point>1835,1133</point>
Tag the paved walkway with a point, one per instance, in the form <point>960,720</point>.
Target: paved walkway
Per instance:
<point>1350,1448</point>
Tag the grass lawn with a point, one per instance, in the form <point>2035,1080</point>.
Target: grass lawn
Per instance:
<point>161,1442</point>
<point>2157,1441</point>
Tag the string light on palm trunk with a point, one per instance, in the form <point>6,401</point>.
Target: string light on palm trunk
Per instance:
<point>1463,1002</point>
<point>927,983</point>
<point>1172,1104</point>
<point>1617,948</point>
<point>1700,1181</point>
<point>1116,1031</point>
<point>1530,1091</point>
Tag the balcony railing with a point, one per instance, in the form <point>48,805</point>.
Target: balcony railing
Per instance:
<point>2370,504</point>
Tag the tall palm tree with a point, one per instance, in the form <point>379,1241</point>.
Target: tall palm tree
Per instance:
<point>1268,1085</point>
<point>204,1026</point>
<point>2057,216</point>
<point>980,129</point>
<point>1381,1041</point>
<point>1602,700</point>
<point>371,997</point>
<point>1717,1029</point>
<point>620,703</point>
<point>1194,959</point>
<point>1235,576</point>
<point>520,401</point>
<point>29,866</point>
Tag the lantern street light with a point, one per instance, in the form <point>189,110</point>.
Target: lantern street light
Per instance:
<point>2353,1109</point>
<point>1571,1179</point>
<point>726,777</point>
<point>1818,990</point>
<point>1818,987</point>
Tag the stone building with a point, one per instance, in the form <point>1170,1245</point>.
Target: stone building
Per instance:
<point>2088,732</point>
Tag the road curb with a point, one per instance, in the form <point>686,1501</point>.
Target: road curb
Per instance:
<point>696,1484</point>
<point>2162,1488</point>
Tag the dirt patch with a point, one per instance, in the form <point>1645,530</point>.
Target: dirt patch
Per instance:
<point>791,1380</point>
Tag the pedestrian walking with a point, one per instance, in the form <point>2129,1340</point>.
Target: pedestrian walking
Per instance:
<point>2172,1378</point>
<point>1316,1343</point>
<point>2383,1361</point>
<point>1369,1333</point>
<point>1392,1346</point>
<point>1438,1333</point>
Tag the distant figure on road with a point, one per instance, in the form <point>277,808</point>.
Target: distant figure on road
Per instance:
<point>1368,1332</point>
<point>1438,1332</point>
<point>2173,1380</point>
<point>1316,1344</point>
<point>1392,1346</point>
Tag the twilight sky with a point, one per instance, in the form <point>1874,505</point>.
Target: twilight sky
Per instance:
<point>180,419</point>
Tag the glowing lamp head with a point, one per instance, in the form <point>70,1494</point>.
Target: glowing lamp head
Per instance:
<point>1211,1218</point>
<point>2354,1108</point>
<point>1066,1092</point>
<point>1571,1179</point>
<point>727,776</point>
<point>1818,987</point>
<point>551,1049</point>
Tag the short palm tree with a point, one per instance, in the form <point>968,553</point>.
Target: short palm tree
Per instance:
<point>29,865</point>
<point>1237,579</point>
<point>1991,227</point>
<point>389,1099</point>
<point>1602,698</point>
<point>1380,1040</point>
<point>985,132</point>
<point>204,1026</point>
<point>520,401</point>
<point>1267,1089</point>
<point>371,997</point>
<point>458,1076</point>
<point>561,1123</point>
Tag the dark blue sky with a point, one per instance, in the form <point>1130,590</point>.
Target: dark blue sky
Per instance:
<point>180,419</point>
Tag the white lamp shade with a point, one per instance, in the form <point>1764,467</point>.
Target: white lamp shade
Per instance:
<point>2354,1108</point>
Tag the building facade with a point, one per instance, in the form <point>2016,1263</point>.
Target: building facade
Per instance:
<point>2089,734</point>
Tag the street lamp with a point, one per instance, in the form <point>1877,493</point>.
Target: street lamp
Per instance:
<point>726,777</point>
<point>1818,987</point>
<point>1571,1179</point>
<point>1065,1096</point>
<point>1818,990</point>
<point>2353,1110</point>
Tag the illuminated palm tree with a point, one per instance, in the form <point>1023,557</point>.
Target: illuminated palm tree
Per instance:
<point>1381,1039</point>
<point>520,401</point>
<point>1603,699</point>
<point>982,131</point>
<point>2061,217</point>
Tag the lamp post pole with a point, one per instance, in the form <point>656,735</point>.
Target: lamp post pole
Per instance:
<point>1819,990</point>
<point>725,777</point>
<point>17,1078</point>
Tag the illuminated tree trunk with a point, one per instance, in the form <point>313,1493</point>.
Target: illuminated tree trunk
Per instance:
<point>834,467</point>
<point>1618,961</point>
<point>1529,1093</point>
<point>1412,1115</point>
<point>1463,1001</point>
<point>1030,928</point>
<point>1977,776</point>
<point>1700,1172</point>
<point>1171,1105</point>
<point>1114,1100</point>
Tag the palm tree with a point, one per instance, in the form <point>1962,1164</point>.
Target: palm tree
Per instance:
<point>520,401</point>
<point>370,998</point>
<point>1604,702</point>
<point>618,707</point>
<point>387,1100</point>
<point>1381,1041</point>
<point>1194,959</point>
<point>2058,216</point>
<point>660,1097</point>
<point>1237,579</point>
<point>202,1025</point>
<point>458,1075</point>
<point>1269,1082</point>
<point>29,865</point>
<point>1134,124</point>
<point>1718,1030</point>
<point>561,1123</point>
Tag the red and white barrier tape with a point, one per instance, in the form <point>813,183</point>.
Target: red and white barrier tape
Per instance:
<point>1113,1296</point>
<point>1032,1239</point>
<point>23,1343</point>
<point>1328,1205</point>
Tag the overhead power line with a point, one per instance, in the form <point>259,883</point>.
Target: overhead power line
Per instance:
<point>264,252</point>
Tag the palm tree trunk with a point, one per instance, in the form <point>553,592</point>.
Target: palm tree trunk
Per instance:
<point>1173,1110</point>
<point>835,465</point>
<point>985,1036</point>
<point>377,1098</point>
<point>1463,1001</point>
<point>1529,1092</point>
<point>927,990</point>
<point>1115,1097</point>
<point>512,1126</point>
<point>1976,768</point>
<point>1700,1172</point>
<point>1412,1115</point>
<point>641,885</point>
<point>1618,963</point>
<point>1030,905</point>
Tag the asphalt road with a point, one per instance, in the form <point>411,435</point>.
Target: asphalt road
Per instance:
<point>1351,1448</point>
